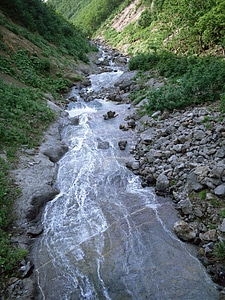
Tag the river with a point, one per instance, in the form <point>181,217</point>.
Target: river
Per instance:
<point>105,236</point>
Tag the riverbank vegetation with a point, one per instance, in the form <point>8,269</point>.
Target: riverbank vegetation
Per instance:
<point>39,54</point>
<point>188,81</point>
<point>182,42</point>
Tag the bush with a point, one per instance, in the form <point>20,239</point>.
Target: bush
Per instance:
<point>219,251</point>
<point>190,81</point>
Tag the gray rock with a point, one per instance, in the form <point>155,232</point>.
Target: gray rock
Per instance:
<point>55,153</point>
<point>220,190</point>
<point>198,135</point>
<point>150,155</point>
<point>156,114</point>
<point>162,184</point>
<point>220,153</point>
<point>185,231</point>
<point>103,144</point>
<point>210,235</point>
<point>222,226</point>
<point>193,183</point>
<point>185,206</point>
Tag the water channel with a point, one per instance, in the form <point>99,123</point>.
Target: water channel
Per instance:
<point>106,237</point>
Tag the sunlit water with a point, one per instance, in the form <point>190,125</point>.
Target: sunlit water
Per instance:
<point>105,237</point>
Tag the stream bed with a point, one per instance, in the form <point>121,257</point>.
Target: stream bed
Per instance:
<point>105,236</point>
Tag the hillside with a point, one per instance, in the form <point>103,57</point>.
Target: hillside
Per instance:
<point>192,27</point>
<point>41,56</point>
<point>87,15</point>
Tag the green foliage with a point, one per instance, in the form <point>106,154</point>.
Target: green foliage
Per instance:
<point>202,194</point>
<point>211,26</point>
<point>189,27</point>
<point>87,15</point>
<point>219,251</point>
<point>36,16</point>
<point>9,256</point>
<point>23,115</point>
<point>145,19</point>
<point>191,80</point>
<point>222,213</point>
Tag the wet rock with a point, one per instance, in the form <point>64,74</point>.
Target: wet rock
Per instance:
<point>39,199</point>
<point>26,268</point>
<point>103,144</point>
<point>110,114</point>
<point>73,99</point>
<point>131,123</point>
<point>23,289</point>
<point>122,145</point>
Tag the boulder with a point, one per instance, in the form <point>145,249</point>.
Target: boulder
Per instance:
<point>185,231</point>
<point>55,153</point>
<point>162,184</point>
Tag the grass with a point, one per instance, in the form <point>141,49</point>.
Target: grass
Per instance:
<point>190,81</point>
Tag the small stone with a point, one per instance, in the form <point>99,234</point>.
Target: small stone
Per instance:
<point>210,235</point>
<point>122,145</point>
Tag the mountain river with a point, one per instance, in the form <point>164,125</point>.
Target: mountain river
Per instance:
<point>106,237</point>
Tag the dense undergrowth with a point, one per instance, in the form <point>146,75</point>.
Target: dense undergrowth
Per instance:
<point>188,81</point>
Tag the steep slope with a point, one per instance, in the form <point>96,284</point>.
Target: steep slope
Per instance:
<point>193,27</point>
<point>38,63</point>
<point>87,15</point>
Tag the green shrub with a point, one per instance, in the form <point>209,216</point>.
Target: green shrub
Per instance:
<point>219,251</point>
<point>23,115</point>
<point>190,80</point>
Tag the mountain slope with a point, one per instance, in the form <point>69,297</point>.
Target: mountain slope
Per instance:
<point>189,27</point>
<point>40,55</point>
<point>87,15</point>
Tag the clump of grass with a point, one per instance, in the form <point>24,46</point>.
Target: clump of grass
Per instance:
<point>219,251</point>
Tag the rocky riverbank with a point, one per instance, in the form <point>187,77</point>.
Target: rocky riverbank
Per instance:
<point>181,153</point>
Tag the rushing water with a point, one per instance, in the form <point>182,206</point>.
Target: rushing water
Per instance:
<point>106,237</point>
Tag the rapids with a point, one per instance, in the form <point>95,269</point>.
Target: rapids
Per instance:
<point>106,237</point>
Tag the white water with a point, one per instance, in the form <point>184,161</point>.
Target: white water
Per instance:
<point>105,237</point>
